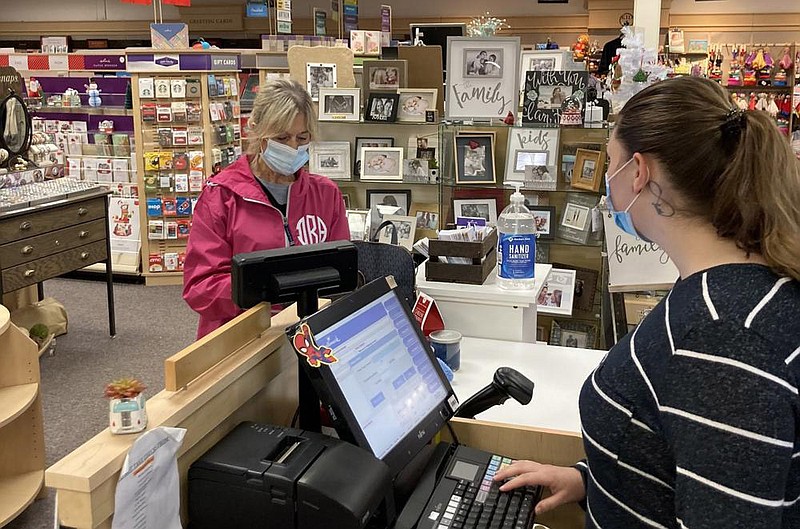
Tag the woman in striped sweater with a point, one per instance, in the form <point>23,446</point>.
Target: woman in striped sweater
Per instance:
<point>693,419</point>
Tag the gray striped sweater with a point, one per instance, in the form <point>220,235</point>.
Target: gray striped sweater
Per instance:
<point>693,419</point>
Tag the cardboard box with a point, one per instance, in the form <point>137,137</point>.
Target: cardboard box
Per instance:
<point>483,254</point>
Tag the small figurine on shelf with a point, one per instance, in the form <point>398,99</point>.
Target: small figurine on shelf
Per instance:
<point>201,44</point>
<point>784,67</point>
<point>580,48</point>
<point>762,64</point>
<point>749,76</point>
<point>94,94</point>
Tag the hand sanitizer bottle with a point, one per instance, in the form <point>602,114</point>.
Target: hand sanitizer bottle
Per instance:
<point>516,244</point>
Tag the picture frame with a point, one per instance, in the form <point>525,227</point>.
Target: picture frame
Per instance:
<point>381,164</point>
<point>568,333</point>
<point>542,252</point>
<point>539,61</point>
<point>537,147</point>
<point>485,208</point>
<point>384,202</point>
<point>546,221</point>
<point>357,220</point>
<point>676,42</point>
<point>406,227</point>
<point>547,93</point>
<point>427,217</point>
<point>368,141</point>
<point>588,170</point>
<point>416,170</point>
<point>576,219</point>
<point>320,75</point>
<point>383,76</point>
<point>330,158</point>
<point>557,293</point>
<point>340,104</point>
<point>585,286</point>
<point>414,102</point>
<point>474,156</point>
<point>346,199</point>
<point>479,88</point>
<point>382,106</point>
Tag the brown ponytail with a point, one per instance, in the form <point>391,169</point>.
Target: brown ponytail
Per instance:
<point>733,169</point>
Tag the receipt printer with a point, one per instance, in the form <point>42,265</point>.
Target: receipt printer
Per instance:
<point>265,477</point>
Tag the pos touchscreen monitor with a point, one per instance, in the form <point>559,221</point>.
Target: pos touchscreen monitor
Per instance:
<point>375,372</point>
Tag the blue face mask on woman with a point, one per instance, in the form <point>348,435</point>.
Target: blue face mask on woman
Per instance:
<point>284,159</point>
<point>623,219</point>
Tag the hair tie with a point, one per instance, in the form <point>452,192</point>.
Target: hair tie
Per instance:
<point>735,122</point>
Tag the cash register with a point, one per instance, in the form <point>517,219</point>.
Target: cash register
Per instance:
<point>387,397</point>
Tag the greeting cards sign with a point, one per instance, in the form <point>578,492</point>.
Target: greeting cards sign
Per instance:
<point>549,94</point>
<point>482,77</point>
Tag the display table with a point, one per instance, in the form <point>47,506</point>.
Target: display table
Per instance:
<point>557,374</point>
<point>487,311</point>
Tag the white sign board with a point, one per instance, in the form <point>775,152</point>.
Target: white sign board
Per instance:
<point>634,264</point>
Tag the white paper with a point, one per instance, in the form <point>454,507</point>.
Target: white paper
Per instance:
<point>148,492</point>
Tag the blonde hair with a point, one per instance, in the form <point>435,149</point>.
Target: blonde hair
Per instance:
<point>276,106</point>
<point>733,169</point>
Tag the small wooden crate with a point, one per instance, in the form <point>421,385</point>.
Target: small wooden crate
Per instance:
<point>483,254</point>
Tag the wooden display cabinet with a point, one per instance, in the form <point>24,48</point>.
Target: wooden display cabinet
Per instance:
<point>21,428</point>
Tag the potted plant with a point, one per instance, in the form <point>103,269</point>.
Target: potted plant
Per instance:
<point>126,406</point>
<point>44,339</point>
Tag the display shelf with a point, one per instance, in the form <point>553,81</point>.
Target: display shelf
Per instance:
<point>92,111</point>
<point>17,492</point>
<point>116,268</point>
<point>163,279</point>
<point>757,88</point>
<point>15,400</point>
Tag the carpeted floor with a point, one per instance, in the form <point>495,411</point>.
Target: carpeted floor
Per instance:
<point>152,324</point>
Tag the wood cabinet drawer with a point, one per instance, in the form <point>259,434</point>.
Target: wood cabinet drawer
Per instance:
<point>36,223</point>
<point>54,265</point>
<point>32,248</point>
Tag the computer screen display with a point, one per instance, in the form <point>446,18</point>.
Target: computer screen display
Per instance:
<point>384,372</point>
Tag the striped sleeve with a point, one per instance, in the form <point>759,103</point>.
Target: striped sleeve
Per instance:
<point>728,410</point>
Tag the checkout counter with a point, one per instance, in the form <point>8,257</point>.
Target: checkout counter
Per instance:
<point>246,370</point>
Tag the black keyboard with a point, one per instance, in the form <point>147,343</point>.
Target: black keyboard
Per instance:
<point>466,497</point>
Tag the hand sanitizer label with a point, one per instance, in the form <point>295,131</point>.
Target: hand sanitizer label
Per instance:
<point>516,255</point>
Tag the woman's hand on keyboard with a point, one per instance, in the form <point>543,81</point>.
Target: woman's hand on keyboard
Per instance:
<point>565,483</point>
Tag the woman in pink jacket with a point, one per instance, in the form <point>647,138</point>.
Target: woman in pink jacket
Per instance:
<point>264,200</point>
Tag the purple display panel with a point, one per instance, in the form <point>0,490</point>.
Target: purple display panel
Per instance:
<point>194,62</point>
<point>112,89</point>
<point>104,62</point>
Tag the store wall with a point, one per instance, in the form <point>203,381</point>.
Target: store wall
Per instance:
<point>681,7</point>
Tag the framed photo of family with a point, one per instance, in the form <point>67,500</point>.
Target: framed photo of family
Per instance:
<point>382,106</point>
<point>383,76</point>
<point>320,75</point>
<point>482,77</point>
<point>385,202</point>
<point>557,293</point>
<point>427,218</point>
<point>485,208</point>
<point>382,163</point>
<point>368,142</point>
<point>330,158</point>
<point>339,104</point>
<point>576,334</point>
<point>414,102</point>
<point>545,218</point>
<point>585,286</point>
<point>587,173</point>
<point>536,148</point>
<point>357,220</point>
<point>539,61</point>
<point>405,226</point>
<point>474,157</point>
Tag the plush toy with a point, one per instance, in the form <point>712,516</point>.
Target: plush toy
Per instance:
<point>94,94</point>
<point>580,48</point>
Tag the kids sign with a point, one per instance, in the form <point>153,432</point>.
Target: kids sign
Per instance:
<point>548,94</point>
<point>482,77</point>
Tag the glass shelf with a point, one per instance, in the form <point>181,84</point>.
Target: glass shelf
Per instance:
<point>563,242</point>
<point>448,124</point>
<point>353,182</point>
<point>92,111</point>
<point>523,189</point>
<point>377,123</point>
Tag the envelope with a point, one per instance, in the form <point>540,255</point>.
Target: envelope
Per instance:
<point>169,36</point>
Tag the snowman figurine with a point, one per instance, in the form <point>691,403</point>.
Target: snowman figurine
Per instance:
<point>94,94</point>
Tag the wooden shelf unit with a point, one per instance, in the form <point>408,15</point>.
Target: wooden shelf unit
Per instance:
<point>21,426</point>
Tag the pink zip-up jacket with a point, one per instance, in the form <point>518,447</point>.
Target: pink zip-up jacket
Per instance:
<point>233,215</point>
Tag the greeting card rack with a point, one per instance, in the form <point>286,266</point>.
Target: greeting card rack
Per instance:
<point>21,426</point>
<point>186,128</point>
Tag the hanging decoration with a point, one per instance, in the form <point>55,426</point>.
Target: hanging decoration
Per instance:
<point>637,68</point>
<point>486,26</point>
